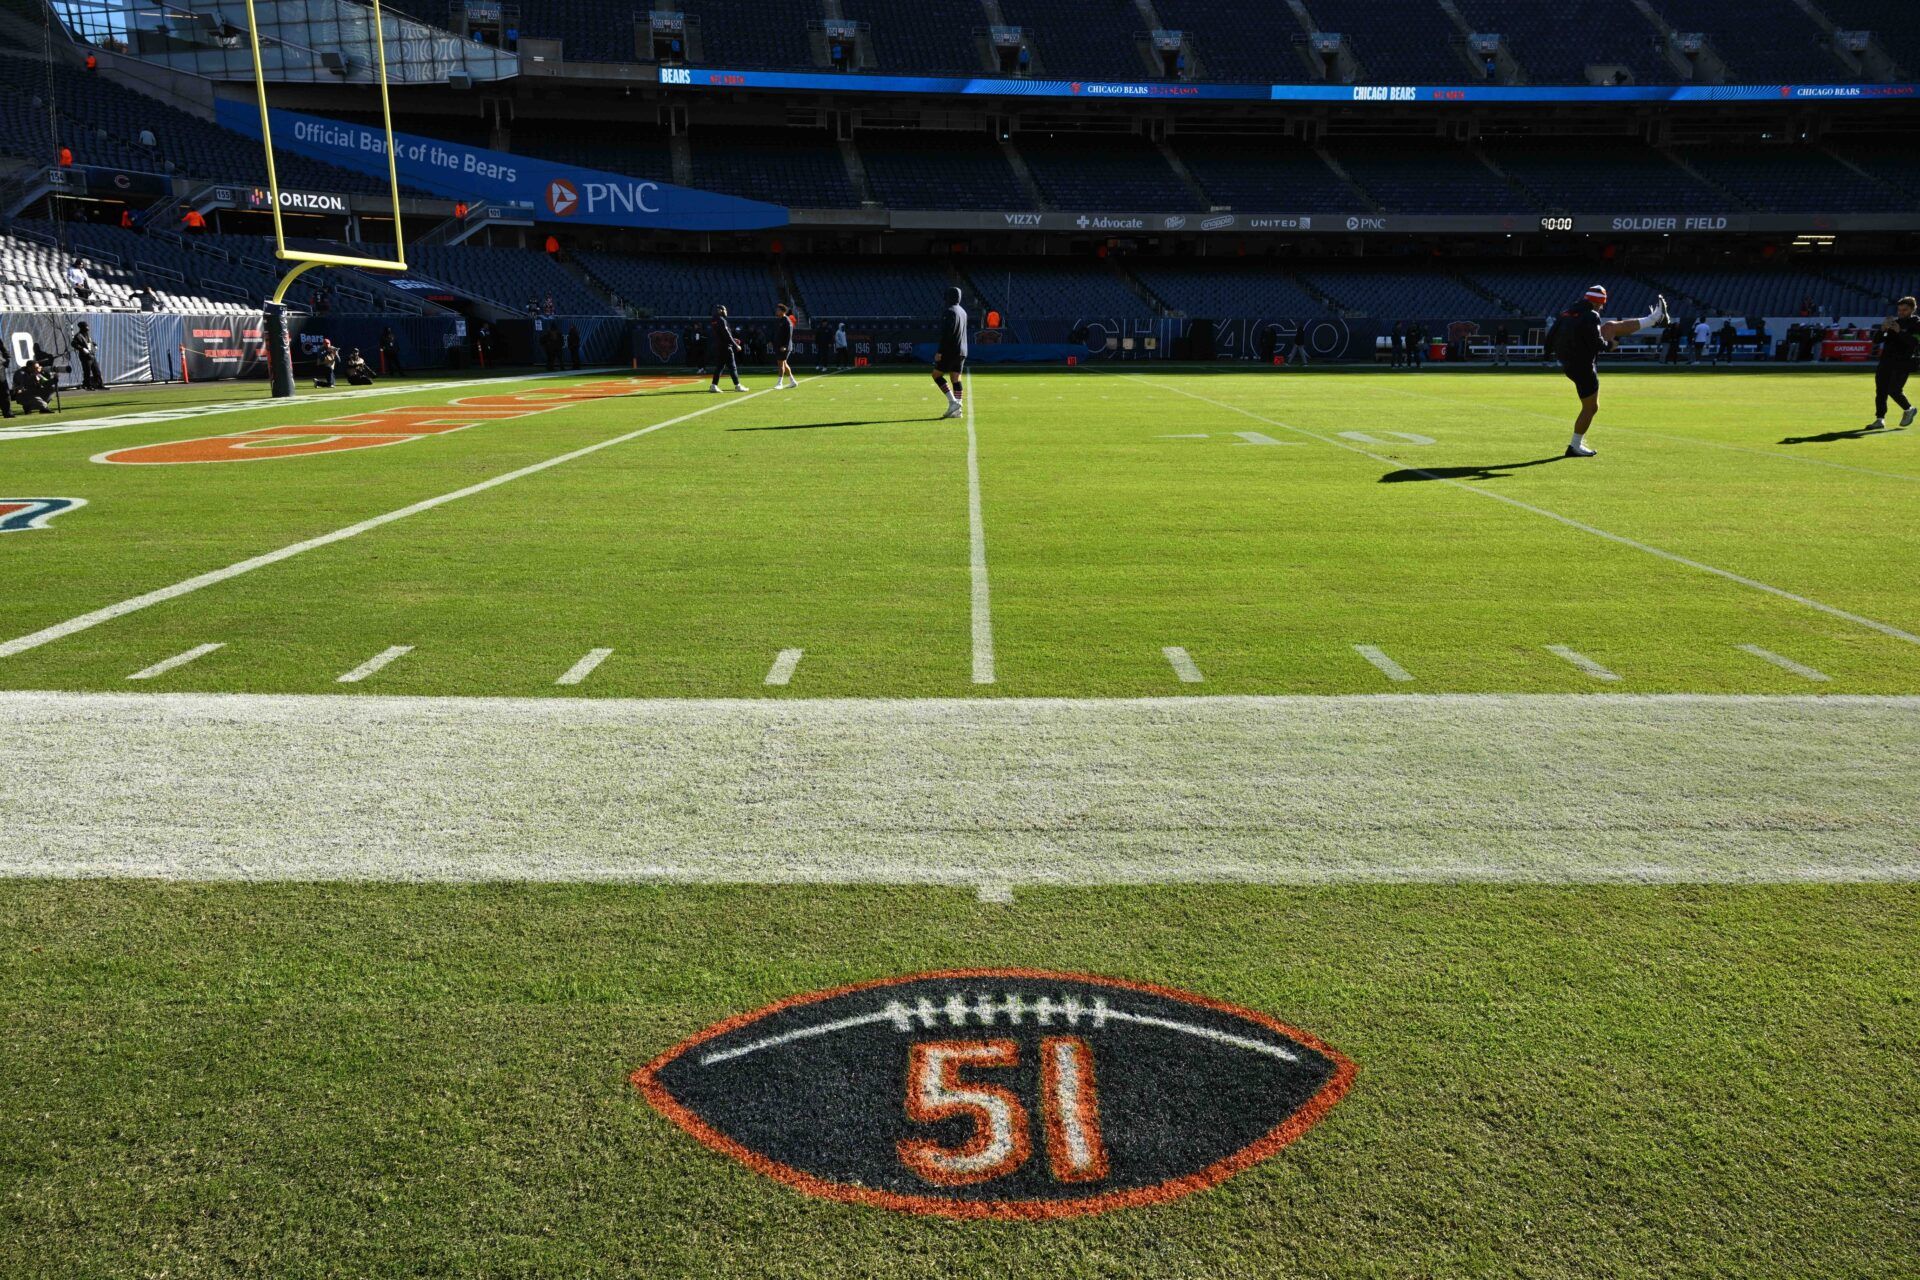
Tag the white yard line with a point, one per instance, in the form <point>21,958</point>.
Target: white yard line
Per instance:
<point>1182,665</point>
<point>1387,666</point>
<point>983,669</point>
<point>965,792</point>
<point>1608,427</point>
<point>177,660</point>
<point>1582,661</point>
<point>384,658</point>
<point>784,666</point>
<point>1754,584</point>
<point>582,669</point>
<point>60,631</point>
<point>1785,663</point>
<point>188,412</point>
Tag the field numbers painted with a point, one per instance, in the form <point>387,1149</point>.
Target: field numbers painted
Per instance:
<point>1408,437</point>
<point>1001,1140</point>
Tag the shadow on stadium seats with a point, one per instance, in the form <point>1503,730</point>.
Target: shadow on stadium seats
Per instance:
<point>1831,437</point>
<point>820,426</point>
<point>1491,472</point>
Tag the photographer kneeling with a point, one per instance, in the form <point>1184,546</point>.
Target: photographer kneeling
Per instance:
<point>33,388</point>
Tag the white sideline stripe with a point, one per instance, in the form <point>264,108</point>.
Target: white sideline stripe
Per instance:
<point>1182,665</point>
<point>1785,663</point>
<point>994,891</point>
<point>1582,661</point>
<point>783,666</point>
<point>1673,558</point>
<point>1204,1033</point>
<point>1491,407</point>
<point>60,631</point>
<point>804,1033</point>
<point>186,413</point>
<point>582,669</point>
<point>1261,437</point>
<point>177,660</point>
<point>1388,667</point>
<point>373,664</point>
<point>983,671</point>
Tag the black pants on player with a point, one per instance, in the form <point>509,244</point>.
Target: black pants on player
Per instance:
<point>727,362</point>
<point>1890,384</point>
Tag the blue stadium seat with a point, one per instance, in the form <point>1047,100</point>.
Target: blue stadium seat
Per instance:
<point>1236,287</point>
<point>932,37</point>
<point>1266,172</point>
<point>1556,43</point>
<point>1432,177</point>
<point>1238,42</point>
<point>1396,41</point>
<point>1601,175</point>
<point>756,33</point>
<point>1088,39</point>
<point>1103,171</point>
<point>931,169</point>
<point>684,286</point>
<point>1792,178</point>
<point>1762,41</point>
<point>1025,288</point>
<point>802,168</point>
<point>869,287</point>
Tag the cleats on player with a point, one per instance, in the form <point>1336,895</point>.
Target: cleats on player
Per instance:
<point>1906,419</point>
<point>1878,424</point>
<point>1663,316</point>
<point>953,409</point>
<point>714,387</point>
<point>1579,449</point>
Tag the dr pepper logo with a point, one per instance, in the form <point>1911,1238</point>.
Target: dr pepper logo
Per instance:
<point>998,1093</point>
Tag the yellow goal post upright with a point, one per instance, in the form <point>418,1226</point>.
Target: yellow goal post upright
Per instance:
<point>279,354</point>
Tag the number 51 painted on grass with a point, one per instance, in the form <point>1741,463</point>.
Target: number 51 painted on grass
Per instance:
<point>1001,1139</point>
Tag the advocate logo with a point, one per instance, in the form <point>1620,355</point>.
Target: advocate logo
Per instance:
<point>562,198</point>
<point>998,1093</point>
<point>20,514</point>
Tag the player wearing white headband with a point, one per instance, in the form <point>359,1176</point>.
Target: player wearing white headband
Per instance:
<point>1577,338</point>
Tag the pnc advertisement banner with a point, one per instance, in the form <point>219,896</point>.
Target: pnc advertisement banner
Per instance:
<point>551,192</point>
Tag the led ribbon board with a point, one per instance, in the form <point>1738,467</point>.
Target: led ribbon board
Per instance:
<point>399,261</point>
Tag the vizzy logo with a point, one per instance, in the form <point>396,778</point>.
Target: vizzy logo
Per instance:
<point>1022,219</point>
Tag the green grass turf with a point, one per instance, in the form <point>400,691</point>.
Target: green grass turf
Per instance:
<point>834,519</point>
<point>385,1081</point>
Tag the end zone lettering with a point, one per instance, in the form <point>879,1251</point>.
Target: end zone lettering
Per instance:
<point>998,1093</point>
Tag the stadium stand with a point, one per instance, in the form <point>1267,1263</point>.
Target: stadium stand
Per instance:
<point>32,277</point>
<point>799,167</point>
<point>1103,171</point>
<point>1266,172</point>
<point>1230,288</point>
<point>1238,42</point>
<point>1770,293</point>
<point>865,287</point>
<point>1430,177</point>
<point>1556,43</point>
<point>1028,287</point>
<point>581,26</point>
<point>1094,39</point>
<point>1761,41</point>
<point>1396,41</point>
<point>1390,291</point>
<point>659,285</point>
<point>929,169</point>
<point>1600,175</point>
<point>1547,290</point>
<point>1893,163</point>
<point>640,151</point>
<point>1792,177</point>
<point>1893,26</point>
<point>1881,286</point>
<point>755,33</point>
<point>509,277</point>
<point>933,37</point>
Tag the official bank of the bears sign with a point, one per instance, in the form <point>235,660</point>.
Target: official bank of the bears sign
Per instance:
<point>998,1093</point>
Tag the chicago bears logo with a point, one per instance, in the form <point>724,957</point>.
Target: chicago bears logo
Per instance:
<point>998,1093</point>
<point>562,198</point>
<point>17,514</point>
<point>663,343</point>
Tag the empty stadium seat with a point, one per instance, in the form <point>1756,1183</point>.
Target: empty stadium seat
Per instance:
<point>1396,41</point>
<point>1556,43</point>
<point>932,37</point>
<point>932,169</point>
<point>1266,172</point>
<point>685,286</point>
<point>1091,39</point>
<point>1761,41</point>
<point>1428,177</point>
<point>798,167</point>
<point>1103,171</point>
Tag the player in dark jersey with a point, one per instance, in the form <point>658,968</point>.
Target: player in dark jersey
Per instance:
<point>951,359</point>
<point>783,347</point>
<point>1577,338</point>
<point>1899,340</point>
<point>726,351</point>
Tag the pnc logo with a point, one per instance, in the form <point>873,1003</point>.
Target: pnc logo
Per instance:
<point>562,198</point>
<point>998,1093</point>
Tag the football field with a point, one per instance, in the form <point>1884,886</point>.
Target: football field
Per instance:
<point>384,781</point>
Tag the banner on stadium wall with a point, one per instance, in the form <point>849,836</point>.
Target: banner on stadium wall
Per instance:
<point>549,191</point>
<point>1106,222</point>
<point>728,78</point>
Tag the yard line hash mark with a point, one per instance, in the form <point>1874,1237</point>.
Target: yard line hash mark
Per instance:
<point>59,631</point>
<point>375,663</point>
<point>177,660</point>
<point>784,665</point>
<point>582,669</point>
<point>1387,666</point>
<point>1582,661</point>
<point>1785,663</point>
<point>1671,557</point>
<point>983,672</point>
<point>1182,665</point>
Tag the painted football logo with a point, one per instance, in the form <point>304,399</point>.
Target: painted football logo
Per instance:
<point>998,1093</point>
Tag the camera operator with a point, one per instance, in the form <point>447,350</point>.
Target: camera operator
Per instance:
<point>6,381</point>
<point>82,345</point>
<point>32,386</point>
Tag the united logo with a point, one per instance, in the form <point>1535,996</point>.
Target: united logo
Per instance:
<point>562,198</point>
<point>998,1093</point>
<point>18,514</point>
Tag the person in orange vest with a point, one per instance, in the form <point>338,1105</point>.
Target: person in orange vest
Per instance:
<point>195,220</point>
<point>66,157</point>
<point>460,210</point>
<point>126,219</point>
<point>553,246</point>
